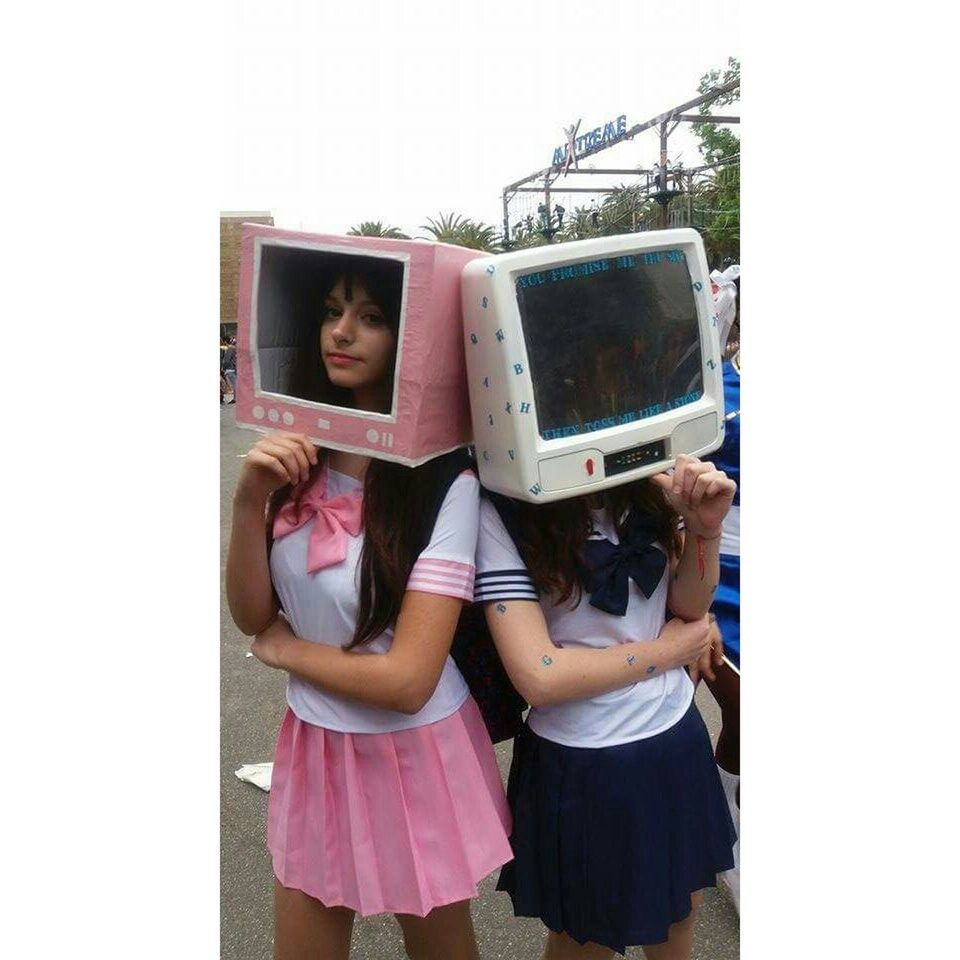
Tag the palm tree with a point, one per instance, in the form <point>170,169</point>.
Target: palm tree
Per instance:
<point>578,225</point>
<point>524,237</point>
<point>444,230</point>
<point>477,236</point>
<point>374,228</point>
<point>623,210</point>
<point>462,231</point>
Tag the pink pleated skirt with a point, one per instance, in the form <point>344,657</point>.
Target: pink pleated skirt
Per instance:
<point>388,822</point>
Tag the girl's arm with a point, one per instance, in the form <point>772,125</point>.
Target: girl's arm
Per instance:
<point>275,460</point>
<point>694,579</point>
<point>249,590</point>
<point>544,674</point>
<point>702,495</point>
<point>403,679</point>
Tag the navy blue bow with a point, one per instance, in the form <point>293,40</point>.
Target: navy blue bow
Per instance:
<point>608,569</point>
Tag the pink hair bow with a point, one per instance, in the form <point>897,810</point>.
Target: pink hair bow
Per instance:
<point>334,520</point>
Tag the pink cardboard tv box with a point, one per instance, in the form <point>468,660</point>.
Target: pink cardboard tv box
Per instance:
<point>284,277</point>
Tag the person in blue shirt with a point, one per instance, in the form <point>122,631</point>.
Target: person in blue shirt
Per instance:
<point>725,683</point>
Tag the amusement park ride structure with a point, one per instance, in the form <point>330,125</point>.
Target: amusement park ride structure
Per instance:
<point>661,184</point>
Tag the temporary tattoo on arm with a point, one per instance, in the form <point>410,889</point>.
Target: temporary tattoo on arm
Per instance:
<point>631,660</point>
<point>546,661</point>
<point>701,557</point>
<point>501,608</point>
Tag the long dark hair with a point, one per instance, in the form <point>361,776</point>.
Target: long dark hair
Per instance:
<point>400,504</point>
<point>552,536</point>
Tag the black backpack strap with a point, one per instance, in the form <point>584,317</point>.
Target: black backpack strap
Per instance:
<point>473,649</point>
<point>445,469</point>
<point>476,657</point>
<point>507,509</point>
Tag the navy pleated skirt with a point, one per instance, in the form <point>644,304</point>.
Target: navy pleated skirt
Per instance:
<point>609,843</point>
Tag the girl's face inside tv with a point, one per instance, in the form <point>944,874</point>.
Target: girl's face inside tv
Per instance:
<point>357,343</point>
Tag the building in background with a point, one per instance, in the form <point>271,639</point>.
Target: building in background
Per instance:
<point>230,223</point>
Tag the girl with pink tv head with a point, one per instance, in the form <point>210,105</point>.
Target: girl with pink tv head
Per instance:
<point>385,797</point>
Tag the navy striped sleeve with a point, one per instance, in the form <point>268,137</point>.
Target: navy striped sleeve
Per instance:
<point>503,585</point>
<point>501,573</point>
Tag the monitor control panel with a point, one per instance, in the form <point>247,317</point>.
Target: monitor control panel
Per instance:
<point>634,457</point>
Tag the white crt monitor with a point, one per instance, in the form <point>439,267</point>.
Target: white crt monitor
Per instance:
<point>591,363</point>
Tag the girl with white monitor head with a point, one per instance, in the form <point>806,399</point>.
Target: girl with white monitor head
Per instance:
<point>597,604</point>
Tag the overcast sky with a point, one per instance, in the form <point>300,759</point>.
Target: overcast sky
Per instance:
<point>333,114</point>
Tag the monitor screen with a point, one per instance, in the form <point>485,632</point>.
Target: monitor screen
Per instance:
<point>610,341</point>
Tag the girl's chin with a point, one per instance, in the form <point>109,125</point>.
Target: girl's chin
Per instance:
<point>343,378</point>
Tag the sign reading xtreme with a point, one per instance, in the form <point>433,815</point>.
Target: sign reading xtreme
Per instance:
<point>575,146</point>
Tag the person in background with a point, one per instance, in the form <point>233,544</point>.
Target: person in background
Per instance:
<point>228,367</point>
<point>724,684</point>
<point>223,380</point>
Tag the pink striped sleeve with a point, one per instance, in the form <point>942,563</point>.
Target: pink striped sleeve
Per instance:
<point>449,578</point>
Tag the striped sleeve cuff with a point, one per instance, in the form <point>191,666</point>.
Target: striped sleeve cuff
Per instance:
<point>446,577</point>
<point>504,585</point>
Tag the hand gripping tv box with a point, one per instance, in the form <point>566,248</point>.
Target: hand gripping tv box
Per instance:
<point>285,278</point>
<point>591,363</point>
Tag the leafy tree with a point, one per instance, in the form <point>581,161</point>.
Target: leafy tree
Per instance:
<point>719,194</point>
<point>717,143</point>
<point>374,228</point>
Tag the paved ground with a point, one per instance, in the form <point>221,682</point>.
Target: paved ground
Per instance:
<point>251,707</point>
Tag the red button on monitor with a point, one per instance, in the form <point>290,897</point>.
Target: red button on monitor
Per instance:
<point>589,468</point>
